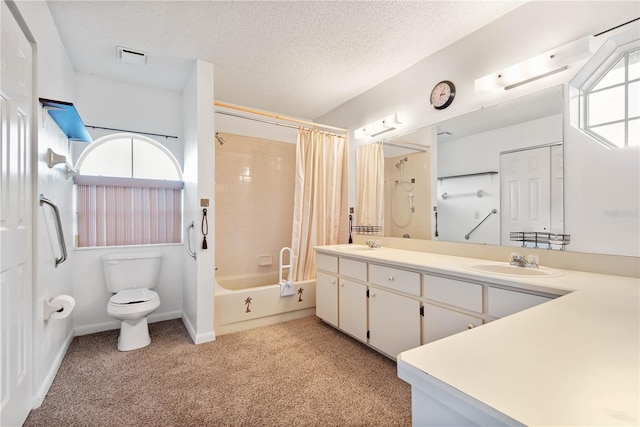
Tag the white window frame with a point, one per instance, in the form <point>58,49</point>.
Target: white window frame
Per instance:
<point>592,129</point>
<point>161,197</point>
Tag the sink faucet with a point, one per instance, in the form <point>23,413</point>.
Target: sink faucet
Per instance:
<point>530,261</point>
<point>373,244</point>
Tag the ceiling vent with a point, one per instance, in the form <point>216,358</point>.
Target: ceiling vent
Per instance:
<point>131,56</point>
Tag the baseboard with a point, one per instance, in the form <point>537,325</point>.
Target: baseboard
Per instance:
<point>115,324</point>
<point>197,339</point>
<point>96,327</point>
<point>53,371</point>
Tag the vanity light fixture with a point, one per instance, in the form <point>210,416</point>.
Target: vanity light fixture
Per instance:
<point>538,67</point>
<point>379,127</point>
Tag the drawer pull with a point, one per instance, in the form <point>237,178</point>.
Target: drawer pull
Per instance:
<point>390,278</point>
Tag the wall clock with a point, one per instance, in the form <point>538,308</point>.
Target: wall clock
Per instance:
<point>443,94</point>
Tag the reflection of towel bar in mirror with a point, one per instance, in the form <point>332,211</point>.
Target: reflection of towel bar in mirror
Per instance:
<point>56,159</point>
<point>446,196</point>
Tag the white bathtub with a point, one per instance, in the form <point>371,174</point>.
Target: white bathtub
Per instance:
<point>248,301</point>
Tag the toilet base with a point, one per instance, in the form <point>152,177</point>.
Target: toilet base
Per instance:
<point>134,334</point>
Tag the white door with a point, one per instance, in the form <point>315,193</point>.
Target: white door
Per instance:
<point>15,223</point>
<point>525,187</point>
<point>394,322</point>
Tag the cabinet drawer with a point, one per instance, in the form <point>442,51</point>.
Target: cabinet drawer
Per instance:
<point>440,322</point>
<point>503,302</point>
<point>394,278</point>
<point>354,269</point>
<point>327,263</point>
<point>453,292</point>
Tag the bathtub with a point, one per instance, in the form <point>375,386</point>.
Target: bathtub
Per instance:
<point>248,301</point>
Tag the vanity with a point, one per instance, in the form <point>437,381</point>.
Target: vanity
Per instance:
<point>485,343</point>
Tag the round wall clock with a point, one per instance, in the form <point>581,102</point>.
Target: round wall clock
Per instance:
<point>443,94</point>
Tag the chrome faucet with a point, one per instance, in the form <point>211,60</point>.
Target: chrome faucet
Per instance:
<point>531,261</point>
<point>373,244</point>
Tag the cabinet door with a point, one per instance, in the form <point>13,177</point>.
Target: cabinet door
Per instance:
<point>503,302</point>
<point>440,322</point>
<point>394,322</point>
<point>352,308</point>
<point>327,298</point>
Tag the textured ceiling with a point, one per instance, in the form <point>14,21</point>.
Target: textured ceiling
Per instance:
<point>300,58</point>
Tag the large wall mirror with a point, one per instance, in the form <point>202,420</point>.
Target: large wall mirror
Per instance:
<point>495,171</point>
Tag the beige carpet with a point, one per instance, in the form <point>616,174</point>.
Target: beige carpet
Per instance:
<point>298,373</point>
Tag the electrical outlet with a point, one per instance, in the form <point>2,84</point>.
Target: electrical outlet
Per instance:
<point>204,203</point>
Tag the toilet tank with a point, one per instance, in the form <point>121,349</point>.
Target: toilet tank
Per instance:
<point>131,270</point>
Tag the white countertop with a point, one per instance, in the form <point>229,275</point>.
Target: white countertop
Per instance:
<point>572,361</point>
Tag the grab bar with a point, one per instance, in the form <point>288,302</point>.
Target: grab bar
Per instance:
<point>63,246</point>
<point>282,266</point>
<point>187,233</point>
<point>493,211</point>
<point>477,194</point>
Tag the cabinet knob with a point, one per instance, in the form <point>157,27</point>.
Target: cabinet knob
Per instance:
<point>333,282</point>
<point>341,284</point>
<point>390,278</point>
<point>372,294</point>
<point>470,326</point>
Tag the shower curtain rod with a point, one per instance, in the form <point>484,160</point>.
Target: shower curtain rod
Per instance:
<point>274,116</point>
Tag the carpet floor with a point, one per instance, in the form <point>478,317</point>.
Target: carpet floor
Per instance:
<point>298,373</point>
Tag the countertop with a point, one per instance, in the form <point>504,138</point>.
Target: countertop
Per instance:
<point>572,361</point>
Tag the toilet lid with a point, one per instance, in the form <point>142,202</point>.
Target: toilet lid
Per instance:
<point>132,296</point>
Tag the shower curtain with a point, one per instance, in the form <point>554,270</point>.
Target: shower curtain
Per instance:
<point>320,203</point>
<point>370,184</point>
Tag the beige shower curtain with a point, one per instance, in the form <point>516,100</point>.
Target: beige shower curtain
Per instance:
<point>320,205</point>
<point>370,184</point>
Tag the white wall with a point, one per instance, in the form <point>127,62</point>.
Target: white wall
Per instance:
<point>529,30</point>
<point>113,104</point>
<point>199,178</point>
<point>54,80</point>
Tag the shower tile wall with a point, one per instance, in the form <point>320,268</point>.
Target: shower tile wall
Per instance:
<point>255,183</point>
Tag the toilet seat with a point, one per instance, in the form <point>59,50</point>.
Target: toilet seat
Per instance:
<point>133,296</point>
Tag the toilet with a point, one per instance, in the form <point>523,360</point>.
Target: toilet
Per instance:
<point>131,278</point>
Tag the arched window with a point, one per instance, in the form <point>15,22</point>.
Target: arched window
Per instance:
<point>609,93</point>
<point>129,192</point>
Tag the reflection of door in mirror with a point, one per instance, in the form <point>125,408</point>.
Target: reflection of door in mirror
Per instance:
<point>469,171</point>
<point>530,181</point>
<point>407,190</point>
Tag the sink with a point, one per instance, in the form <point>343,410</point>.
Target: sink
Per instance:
<point>504,269</point>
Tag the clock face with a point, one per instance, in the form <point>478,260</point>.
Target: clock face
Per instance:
<point>442,95</point>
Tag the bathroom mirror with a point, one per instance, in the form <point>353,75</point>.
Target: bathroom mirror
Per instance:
<point>456,196</point>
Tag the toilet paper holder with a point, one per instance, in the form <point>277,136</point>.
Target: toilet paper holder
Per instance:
<point>50,306</point>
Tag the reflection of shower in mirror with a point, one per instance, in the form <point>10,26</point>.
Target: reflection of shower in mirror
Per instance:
<point>401,162</point>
